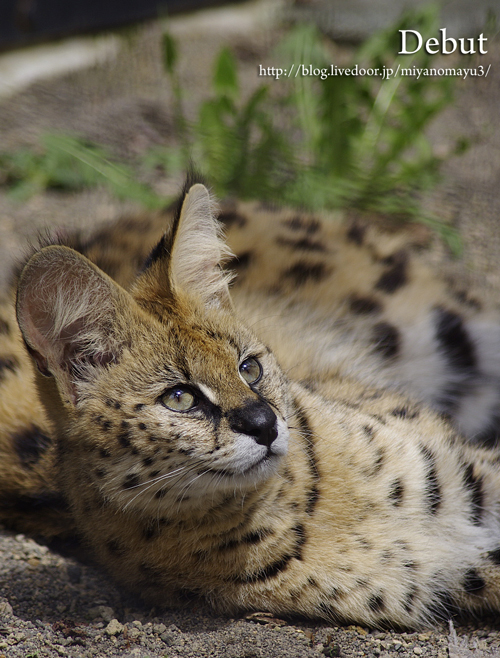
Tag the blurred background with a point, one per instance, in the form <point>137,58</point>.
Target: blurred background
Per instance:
<point>104,104</point>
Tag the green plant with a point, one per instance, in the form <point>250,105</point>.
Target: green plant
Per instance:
<point>343,141</point>
<point>363,136</point>
<point>68,163</point>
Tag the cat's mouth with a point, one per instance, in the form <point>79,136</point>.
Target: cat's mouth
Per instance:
<point>250,462</point>
<point>264,466</point>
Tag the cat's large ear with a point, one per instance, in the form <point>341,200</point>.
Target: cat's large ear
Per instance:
<point>67,311</point>
<point>188,261</point>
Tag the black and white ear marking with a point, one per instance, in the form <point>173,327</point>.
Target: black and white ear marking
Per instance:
<point>187,262</point>
<point>66,310</point>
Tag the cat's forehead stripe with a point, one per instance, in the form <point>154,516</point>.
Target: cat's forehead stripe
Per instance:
<point>207,392</point>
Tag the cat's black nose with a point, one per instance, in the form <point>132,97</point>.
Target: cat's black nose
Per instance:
<point>256,419</point>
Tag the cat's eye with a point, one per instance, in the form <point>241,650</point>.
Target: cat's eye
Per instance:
<point>251,370</point>
<point>178,399</point>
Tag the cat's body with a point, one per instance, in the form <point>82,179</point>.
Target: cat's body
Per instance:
<point>283,457</point>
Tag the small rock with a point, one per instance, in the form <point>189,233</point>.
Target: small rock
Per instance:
<point>102,611</point>
<point>5,609</point>
<point>171,639</point>
<point>159,628</point>
<point>113,628</point>
<point>418,651</point>
<point>134,633</point>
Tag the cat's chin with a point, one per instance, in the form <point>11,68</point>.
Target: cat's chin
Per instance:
<point>258,472</point>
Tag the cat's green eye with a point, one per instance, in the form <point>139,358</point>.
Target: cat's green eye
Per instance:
<point>178,399</point>
<point>251,370</point>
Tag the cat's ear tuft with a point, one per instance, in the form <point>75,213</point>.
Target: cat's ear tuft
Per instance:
<point>67,310</point>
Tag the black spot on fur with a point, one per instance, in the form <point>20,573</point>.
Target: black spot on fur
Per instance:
<point>142,426</point>
<point>280,565</point>
<point>396,275</point>
<point>365,543</point>
<point>376,603</point>
<point>239,263</point>
<point>404,412</point>
<point>307,434</point>
<point>463,297</point>
<point>232,218</point>
<point>495,556</point>
<point>312,499</point>
<point>124,434</point>
<point>7,364</point>
<point>29,503</point>
<point>251,538</point>
<point>147,461</point>
<point>151,531</point>
<point>309,225</point>
<point>115,547</point>
<point>302,244</point>
<point>356,234</point>
<point>30,444</point>
<point>474,485</point>
<point>378,463</point>
<point>186,451</point>
<point>454,340</point>
<point>100,472</point>
<point>138,407</point>
<point>442,605</point>
<point>4,327</point>
<point>473,583</point>
<point>433,490</point>
<point>364,305</point>
<point>161,493</point>
<point>271,571</point>
<point>409,599</point>
<point>103,423</point>
<point>302,272</point>
<point>112,403</point>
<point>386,339</point>
<point>131,480</point>
<point>300,540</point>
<point>104,453</point>
<point>396,493</point>
<point>369,431</point>
<point>310,385</point>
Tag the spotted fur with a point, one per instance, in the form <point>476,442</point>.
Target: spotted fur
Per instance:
<point>273,448</point>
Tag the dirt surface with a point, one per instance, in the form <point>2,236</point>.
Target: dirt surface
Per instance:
<point>53,605</point>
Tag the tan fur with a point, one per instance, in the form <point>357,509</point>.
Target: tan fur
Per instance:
<point>325,487</point>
